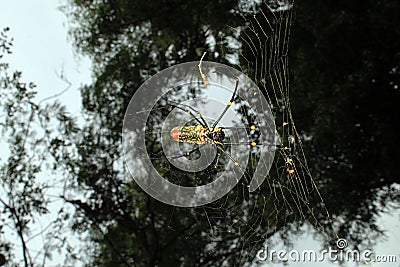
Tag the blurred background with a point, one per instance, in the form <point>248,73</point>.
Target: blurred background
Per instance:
<point>68,71</point>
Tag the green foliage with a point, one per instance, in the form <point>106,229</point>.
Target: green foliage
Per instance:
<point>30,133</point>
<point>344,67</point>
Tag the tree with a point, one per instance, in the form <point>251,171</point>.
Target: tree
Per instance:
<point>31,134</point>
<point>129,41</point>
<point>345,72</point>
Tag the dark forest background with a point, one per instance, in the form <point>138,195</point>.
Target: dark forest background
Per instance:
<point>344,61</point>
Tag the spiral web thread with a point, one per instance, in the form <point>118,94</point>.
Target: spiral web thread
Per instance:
<point>267,38</point>
<point>237,225</point>
<point>290,194</point>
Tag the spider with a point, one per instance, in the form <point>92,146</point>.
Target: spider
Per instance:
<point>204,134</point>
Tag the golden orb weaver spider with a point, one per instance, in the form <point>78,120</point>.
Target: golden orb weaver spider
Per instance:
<point>202,133</point>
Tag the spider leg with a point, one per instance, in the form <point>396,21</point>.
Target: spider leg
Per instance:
<point>187,109</point>
<point>237,165</point>
<point>219,146</point>
<point>217,160</point>
<point>188,153</point>
<point>253,144</point>
<point>227,105</point>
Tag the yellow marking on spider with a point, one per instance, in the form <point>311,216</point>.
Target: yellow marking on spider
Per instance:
<point>285,123</point>
<point>229,103</point>
<point>236,163</point>
<point>253,143</point>
<point>290,171</point>
<point>218,143</point>
<point>285,148</point>
<point>289,161</point>
<point>187,153</point>
<point>252,127</point>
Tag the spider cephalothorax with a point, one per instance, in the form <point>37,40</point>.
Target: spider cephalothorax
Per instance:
<point>216,135</point>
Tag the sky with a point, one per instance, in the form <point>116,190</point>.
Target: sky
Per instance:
<point>43,52</point>
<point>42,49</point>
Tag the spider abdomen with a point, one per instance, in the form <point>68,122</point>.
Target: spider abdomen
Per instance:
<point>194,134</point>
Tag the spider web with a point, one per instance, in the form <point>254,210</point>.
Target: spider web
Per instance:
<point>289,196</point>
<point>237,225</point>
<point>290,192</point>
